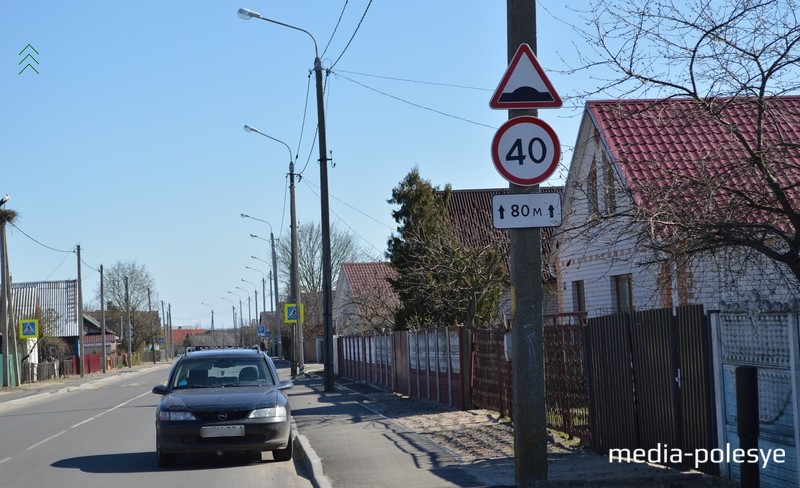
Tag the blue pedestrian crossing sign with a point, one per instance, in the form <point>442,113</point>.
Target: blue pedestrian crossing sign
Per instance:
<point>28,329</point>
<point>290,313</point>
<point>262,331</point>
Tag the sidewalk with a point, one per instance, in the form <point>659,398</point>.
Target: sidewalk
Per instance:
<point>344,442</point>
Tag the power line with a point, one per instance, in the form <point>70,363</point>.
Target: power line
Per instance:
<point>354,208</point>
<point>353,36</point>
<point>421,82</point>
<point>348,226</point>
<point>37,242</point>
<point>341,14</point>
<point>305,113</point>
<point>414,104</point>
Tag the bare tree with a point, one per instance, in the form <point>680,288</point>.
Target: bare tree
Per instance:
<point>731,63</point>
<point>344,248</point>
<point>144,325</point>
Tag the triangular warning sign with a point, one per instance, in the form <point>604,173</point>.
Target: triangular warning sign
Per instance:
<point>524,85</point>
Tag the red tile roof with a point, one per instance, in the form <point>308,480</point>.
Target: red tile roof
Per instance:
<point>674,145</point>
<point>371,279</point>
<point>179,335</point>
<point>471,214</point>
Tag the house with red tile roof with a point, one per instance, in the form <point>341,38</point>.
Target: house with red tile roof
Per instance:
<point>180,335</point>
<point>640,169</point>
<point>364,300</point>
<point>470,212</point>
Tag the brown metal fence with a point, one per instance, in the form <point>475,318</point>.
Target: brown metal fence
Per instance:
<point>428,365</point>
<point>566,383</point>
<point>492,375</point>
<point>435,366</point>
<point>651,382</point>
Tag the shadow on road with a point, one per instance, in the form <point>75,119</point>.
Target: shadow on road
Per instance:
<point>144,462</point>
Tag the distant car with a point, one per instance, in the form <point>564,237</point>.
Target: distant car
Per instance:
<point>223,400</point>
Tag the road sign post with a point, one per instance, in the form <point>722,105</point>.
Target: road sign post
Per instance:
<point>522,91</point>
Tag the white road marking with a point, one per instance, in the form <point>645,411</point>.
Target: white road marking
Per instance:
<point>46,440</point>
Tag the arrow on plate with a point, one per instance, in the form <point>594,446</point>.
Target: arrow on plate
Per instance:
<point>502,212</point>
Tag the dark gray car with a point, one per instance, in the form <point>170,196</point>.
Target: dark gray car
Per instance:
<point>223,400</point>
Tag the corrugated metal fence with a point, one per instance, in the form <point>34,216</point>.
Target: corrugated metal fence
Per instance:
<point>622,381</point>
<point>468,369</point>
<point>651,382</point>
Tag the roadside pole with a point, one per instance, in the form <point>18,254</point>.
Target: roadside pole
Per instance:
<point>525,151</point>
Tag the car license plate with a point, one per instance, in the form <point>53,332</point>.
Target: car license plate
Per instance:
<point>222,431</point>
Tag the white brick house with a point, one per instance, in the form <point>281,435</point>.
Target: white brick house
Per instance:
<point>601,255</point>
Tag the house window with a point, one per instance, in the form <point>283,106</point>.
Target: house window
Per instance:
<point>610,192</point>
<point>623,292</point>
<point>578,297</point>
<point>591,188</point>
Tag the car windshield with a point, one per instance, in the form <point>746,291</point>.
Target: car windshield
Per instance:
<point>221,372</point>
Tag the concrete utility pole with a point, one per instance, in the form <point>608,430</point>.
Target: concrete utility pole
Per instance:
<point>167,336</point>
<point>4,304</point>
<point>128,318</point>
<point>153,330</point>
<point>530,423</point>
<point>297,356</point>
<point>103,321</point>
<point>82,360</point>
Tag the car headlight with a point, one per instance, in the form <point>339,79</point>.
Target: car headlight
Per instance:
<point>170,415</point>
<point>276,413</point>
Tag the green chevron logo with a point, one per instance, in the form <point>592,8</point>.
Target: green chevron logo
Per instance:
<point>29,58</point>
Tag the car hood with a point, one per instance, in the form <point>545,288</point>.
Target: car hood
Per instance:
<point>228,398</point>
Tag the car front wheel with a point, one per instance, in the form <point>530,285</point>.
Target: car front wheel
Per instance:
<point>165,460</point>
<point>284,454</point>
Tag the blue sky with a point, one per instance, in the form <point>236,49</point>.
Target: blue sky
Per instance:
<point>129,140</point>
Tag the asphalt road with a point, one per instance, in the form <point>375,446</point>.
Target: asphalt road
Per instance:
<point>104,435</point>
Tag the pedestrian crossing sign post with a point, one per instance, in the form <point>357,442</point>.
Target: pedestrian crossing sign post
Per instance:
<point>28,329</point>
<point>290,313</point>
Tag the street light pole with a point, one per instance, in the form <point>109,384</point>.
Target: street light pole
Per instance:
<point>213,336</point>
<point>274,277</point>
<point>272,240</point>
<point>298,362</point>
<point>263,290</point>
<point>327,294</point>
<point>233,314</point>
<point>249,313</point>
<point>240,315</point>
<point>255,303</point>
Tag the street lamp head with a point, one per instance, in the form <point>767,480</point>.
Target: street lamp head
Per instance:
<point>248,14</point>
<point>244,215</point>
<point>247,128</point>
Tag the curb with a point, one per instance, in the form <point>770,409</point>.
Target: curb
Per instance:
<point>310,460</point>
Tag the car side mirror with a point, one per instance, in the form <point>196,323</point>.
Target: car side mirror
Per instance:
<point>160,390</point>
<point>285,385</point>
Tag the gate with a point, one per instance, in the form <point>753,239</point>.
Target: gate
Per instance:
<point>651,382</point>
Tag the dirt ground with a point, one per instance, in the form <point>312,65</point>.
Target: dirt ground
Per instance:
<point>472,435</point>
<point>477,436</point>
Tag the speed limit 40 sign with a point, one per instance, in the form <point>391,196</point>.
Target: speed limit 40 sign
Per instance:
<point>525,150</point>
